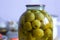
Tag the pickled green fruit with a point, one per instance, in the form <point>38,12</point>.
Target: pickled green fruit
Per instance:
<point>28,11</point>
<point>22,21</point>
<point>30,37</point>
<point>27,26</point>
<point>44,38</point>
<point>38,33</point>
<point>51,26</point>
<point>43,27</point>
<point>50,38</point>
<point>46,26</point>
<point>33,11</point>
<point>36,24</point>
<point>48,17</point>
<point>48,32</point>
<point>21,34</point>
<point>39,15</point>
<point>29,16</point>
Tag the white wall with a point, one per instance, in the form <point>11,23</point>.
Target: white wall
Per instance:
<point>12,9</point>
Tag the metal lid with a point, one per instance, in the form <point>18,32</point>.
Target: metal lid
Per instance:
<point>35,5</point>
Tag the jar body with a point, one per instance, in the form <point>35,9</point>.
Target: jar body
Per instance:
<point>35,25</point>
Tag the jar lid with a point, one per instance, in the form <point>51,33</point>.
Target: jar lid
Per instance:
<point>35,5</point>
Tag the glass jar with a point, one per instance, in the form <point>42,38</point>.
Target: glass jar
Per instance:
<point>35,24</point>
<point>3,28</point>
<point>55,26</point>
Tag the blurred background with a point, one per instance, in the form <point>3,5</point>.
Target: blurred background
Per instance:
<point>11,10</point>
